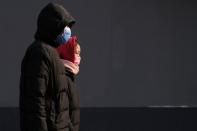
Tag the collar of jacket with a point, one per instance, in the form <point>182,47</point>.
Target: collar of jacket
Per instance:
<point>69,73</point>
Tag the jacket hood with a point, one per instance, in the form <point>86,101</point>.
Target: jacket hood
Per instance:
<point>67,50</point>
<point>52,20</point>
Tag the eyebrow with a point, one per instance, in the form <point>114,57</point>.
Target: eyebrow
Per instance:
<point>79,51</point>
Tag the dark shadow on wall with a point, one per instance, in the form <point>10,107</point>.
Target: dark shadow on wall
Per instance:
<point>134,52</point>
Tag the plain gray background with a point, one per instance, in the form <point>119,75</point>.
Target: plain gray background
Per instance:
<point>134,52</point>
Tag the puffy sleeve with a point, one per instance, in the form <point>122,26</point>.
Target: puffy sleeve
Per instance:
<point>33,86</point>
<point>74,108</point>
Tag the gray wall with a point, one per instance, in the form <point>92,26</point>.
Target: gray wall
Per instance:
<point>134,52</point>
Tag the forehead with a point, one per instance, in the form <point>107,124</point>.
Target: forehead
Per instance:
<point>77,49</point>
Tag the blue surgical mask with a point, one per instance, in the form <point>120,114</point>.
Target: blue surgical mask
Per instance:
<point>64,37</point>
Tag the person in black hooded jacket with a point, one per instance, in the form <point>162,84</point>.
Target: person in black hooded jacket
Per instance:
<point>47,90</point>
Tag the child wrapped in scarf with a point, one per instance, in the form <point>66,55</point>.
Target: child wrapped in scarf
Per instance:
<point>69,52</point>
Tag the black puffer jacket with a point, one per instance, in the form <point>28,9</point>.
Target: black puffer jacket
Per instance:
<point>49,100</point>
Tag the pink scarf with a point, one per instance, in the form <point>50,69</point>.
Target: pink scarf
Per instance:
<point>73,67</point>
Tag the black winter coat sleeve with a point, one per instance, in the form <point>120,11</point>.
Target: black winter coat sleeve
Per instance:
<point>33,86</point>
<point>74,108</point>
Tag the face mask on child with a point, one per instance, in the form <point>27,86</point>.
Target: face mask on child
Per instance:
<point>64,37</point>
<point>77,59</point>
